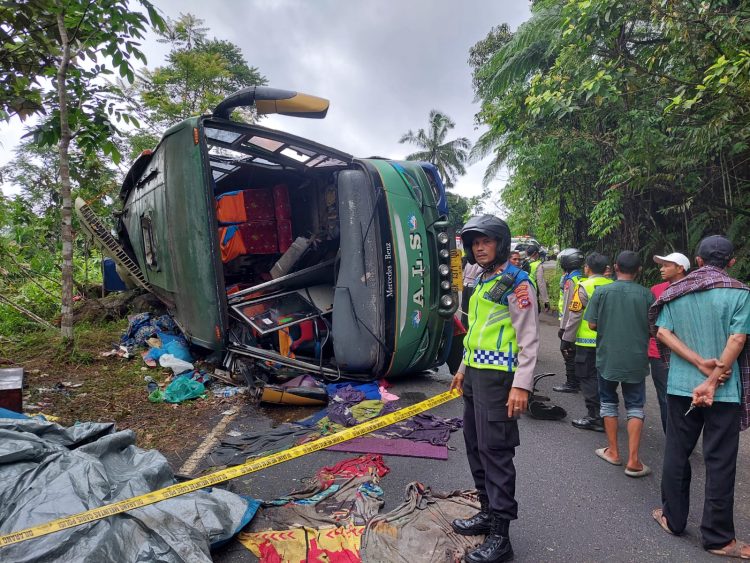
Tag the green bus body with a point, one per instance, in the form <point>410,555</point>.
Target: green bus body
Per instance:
<point>168,225</point>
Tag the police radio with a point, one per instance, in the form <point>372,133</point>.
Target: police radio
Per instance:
<point>501,289</point>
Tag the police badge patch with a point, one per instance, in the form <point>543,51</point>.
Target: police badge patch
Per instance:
<point>522,295</point>
<point>576,305</point>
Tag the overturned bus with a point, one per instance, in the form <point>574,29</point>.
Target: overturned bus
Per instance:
<point>268,246</point>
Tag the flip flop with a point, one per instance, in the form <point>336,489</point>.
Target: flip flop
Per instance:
<point>638,473</point>
<point>601,453</point>
<point>658,515</point>
<point>635,474</point>
<point>734,551</point>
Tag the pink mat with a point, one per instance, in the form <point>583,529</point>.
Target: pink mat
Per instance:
<point>392,446</point>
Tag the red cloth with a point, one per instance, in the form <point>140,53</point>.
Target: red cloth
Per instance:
<point>255,237</point>
<point>282,209</point>
<point>246,205</point>
<point>657,290</point>
<point>368,464</point>
<point>284,235</point>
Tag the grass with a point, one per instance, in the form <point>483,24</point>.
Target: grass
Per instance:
<point>106,389</point>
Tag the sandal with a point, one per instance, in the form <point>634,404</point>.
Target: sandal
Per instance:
<point>658,515</point>
<point>638,472</point>
<point>733,550</point>
<point>602,453</point>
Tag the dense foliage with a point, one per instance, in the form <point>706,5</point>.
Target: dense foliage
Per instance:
<point>106,116</point>
<point>624,124</point>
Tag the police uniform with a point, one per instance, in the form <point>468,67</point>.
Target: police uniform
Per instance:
<point>568,283</point>
<point>536,275</point>
<point>500,350</point>
<point>577,331</point>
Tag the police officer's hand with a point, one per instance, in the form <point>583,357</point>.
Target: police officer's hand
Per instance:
<point>518,401</point>
<point>546,307</point>
<point>457,382</point>
<point>560,333</point>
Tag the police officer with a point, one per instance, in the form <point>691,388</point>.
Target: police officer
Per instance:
<point>578,333</point>
<point>536,275</point>
<point>571,262</point>
<point>496,376</point>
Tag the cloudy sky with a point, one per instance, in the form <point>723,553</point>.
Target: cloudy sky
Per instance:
<point>384,64</point>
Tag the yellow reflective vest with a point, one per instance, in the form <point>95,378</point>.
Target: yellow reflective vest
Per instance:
<point>585,336</point>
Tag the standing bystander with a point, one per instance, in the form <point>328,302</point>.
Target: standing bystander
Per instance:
<point>578,336</point>
<point>618,312</point>
<point>704,320</point>
<point>673,267</point>
<point>536,273</point>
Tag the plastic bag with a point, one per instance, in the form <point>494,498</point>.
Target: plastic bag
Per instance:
<point>177,365</point>
<point>183,389</point>
<point>175,347</point>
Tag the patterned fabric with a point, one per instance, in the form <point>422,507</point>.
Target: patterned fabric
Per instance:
<point>703,279</point>
<point>493,357</point>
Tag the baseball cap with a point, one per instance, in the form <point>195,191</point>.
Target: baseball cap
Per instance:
<point>676,258</point>
<point>715,247</point>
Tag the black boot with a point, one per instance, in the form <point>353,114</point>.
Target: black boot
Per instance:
<point>496,546</point>
<point>594,423</point>
<point>477,525</point>
<point>567,387</point>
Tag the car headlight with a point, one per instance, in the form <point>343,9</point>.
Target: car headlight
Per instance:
<point>444,270</point>
<point>445,285</point>
<point>443,238</point>
<point>444,254</point>
<point>446,301</point>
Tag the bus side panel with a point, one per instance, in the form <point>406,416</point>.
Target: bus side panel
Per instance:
<point>193,239</point>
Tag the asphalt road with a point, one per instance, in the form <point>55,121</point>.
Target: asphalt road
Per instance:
<point>572,505</point>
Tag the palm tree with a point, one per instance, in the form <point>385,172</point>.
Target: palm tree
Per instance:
<point>449,157</point>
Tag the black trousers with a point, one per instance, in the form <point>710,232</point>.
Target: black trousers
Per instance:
<point>720,424</point>
<point>570,369</point>
<point>659,372</point>
<point>588,378</point>
<point>491,438</point>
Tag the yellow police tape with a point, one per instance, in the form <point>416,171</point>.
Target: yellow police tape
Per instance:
<point>225,474</point>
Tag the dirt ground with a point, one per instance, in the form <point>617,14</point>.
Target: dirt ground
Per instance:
<point>90,387</point>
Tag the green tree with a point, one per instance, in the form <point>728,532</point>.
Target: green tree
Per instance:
<point>625,125</point>
<point>448,156</point>
<point>198,74</point>
<point>71,45</point>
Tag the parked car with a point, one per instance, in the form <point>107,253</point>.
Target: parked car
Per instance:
<point>521,243</point>
<point>274,247</point>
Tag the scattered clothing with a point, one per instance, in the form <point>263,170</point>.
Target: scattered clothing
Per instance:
<point>424,427</point>
<point>368,464</point>
<point>370,390</point>
<point>344,417</point>
<point>237,450</point>
<point>419,530</point>
<point>391,446</point>
<point>324,545</point>
<point>143,326</point>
